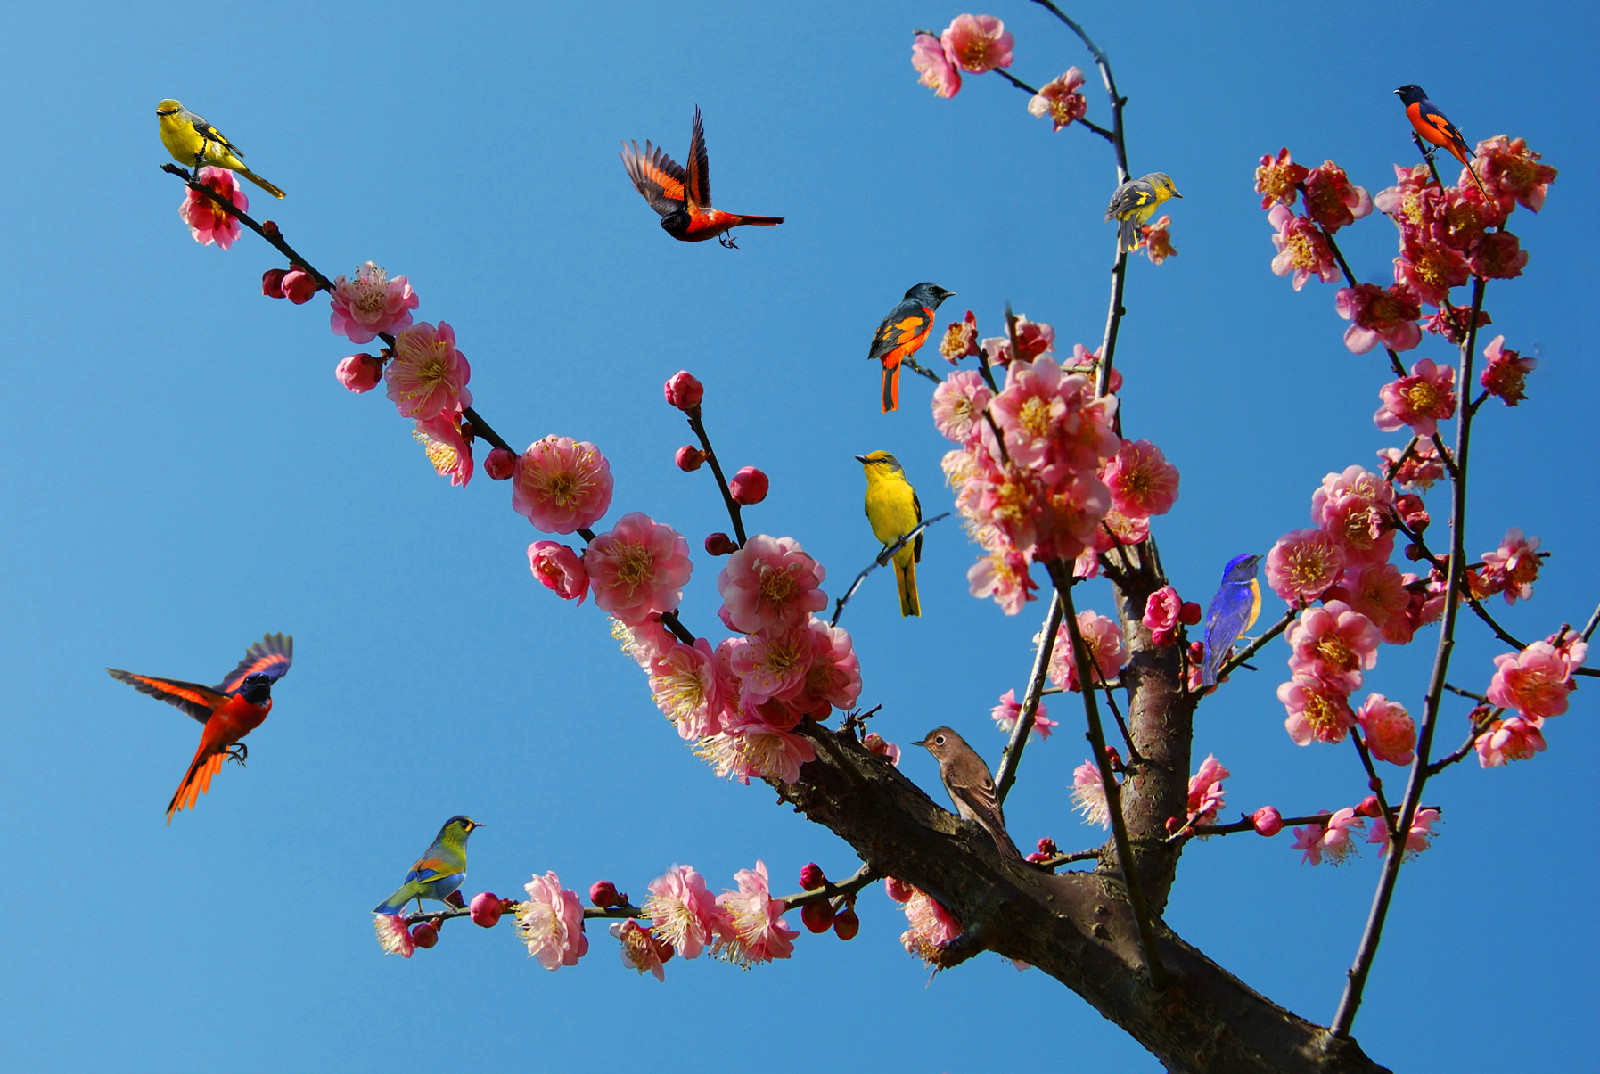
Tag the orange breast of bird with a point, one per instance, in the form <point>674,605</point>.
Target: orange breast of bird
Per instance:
<point>1435,128</point>
<point>901,338</point>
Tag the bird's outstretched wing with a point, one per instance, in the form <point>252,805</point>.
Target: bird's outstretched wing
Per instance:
<point>270,656</point>
<point>655,175</point>
<point>698,184</point>
<point>198,701</point>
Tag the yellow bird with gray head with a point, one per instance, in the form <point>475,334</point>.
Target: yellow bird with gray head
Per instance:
<point>1137,201</point>
<point>893,512</point>
<point>195,143</point>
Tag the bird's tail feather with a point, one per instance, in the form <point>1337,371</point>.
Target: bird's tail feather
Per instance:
<point>891,386</point>
<point>196,781</point>
<point>906,575</point>
<point>751,221</point>
<point>260,182</point>
<point>1128,236</point>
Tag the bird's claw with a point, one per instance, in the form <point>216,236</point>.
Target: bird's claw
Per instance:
<point>726,239</point>
<point>238,752</point>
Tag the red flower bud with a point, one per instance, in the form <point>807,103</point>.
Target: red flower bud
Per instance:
<point>811,877</point>
<point>603,893</point>
<point>684,391</point>
<point>486,909</point>
<point>359,372</point>
<point>1047,847</point>
<point>456,899</point>
<point>689,458</point>
<point>499,464</point>
<point>1189,613</point>
<point>270,228</point>
<point>847,924</point>
<point>720,544</point>
<point>424,934</point>
<point>299,285</point>
<point>272,282</point>
<point>1369,807</point>
<point>1267,821</point>
<point>818,916</point>
<point>749,486</point>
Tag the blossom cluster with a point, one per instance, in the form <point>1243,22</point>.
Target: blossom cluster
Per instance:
<point>971,43</point>
<point>743,927</point>
<point>931,926</point>
<point>1534,683</point>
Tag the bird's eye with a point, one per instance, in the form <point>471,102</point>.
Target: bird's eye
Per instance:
<point>939,740</point>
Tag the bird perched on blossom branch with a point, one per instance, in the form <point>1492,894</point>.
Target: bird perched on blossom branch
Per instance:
<point>1432,127</point>
<point>1137,201</point>
<point>193,143</point>
<point>440,870</point>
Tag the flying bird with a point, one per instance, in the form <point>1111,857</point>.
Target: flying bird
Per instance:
<point>1431,126</point>
<point>1137,201</point>
<point>683,198</point>
<point>902,332</point>
<point>194,142</point>
<point>893,512</point>
<point>966,778</point>
<point>228,712</point>
<point>1232,612</point>
<point>440,870</point>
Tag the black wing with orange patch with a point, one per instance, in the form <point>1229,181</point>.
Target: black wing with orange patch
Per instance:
<point>198,701</point>
<point>903,330</point>
<point>655,175</point>
<point>698,183</point>
<point>270,656</point>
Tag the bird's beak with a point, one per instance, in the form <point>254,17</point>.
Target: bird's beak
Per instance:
<point>924,744</point>
<point>862,459</point>
<point>1176,194</point>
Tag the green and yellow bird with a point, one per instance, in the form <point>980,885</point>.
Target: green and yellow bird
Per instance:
<point>1137,201</point>
<point>893,512</point>
<point>195,143</point>
<point>440,870</point>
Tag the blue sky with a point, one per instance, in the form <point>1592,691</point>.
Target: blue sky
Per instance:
<point>188,475</point>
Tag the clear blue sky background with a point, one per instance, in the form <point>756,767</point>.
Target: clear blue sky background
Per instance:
<point>186,474</point>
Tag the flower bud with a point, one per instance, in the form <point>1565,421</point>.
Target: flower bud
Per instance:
<point>684,391</point>
<point>1189,613</point>
<point>603,893</point>
<point>898,890</point>
<point>818,916</point>
<point>847,924</point>
<point>456,899</point>
<point>1267,821</point>
<point>689,458</point>
<point>749,486</point>
<point>272,282</point>
<point>720,544</point>
<point>1048,848</point>
<point>486,909</point>
<point>1369,807</point>
<point>299,285</point>
<point>811,877</point>
<point>269,228</point>
<point>424,934</point>
<point>499,464</point>
<point>359,372</point>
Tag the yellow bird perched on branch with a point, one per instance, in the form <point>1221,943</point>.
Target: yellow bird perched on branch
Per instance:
<point>893,512</point>
<point>1137,201</point>
<point>193,143</point>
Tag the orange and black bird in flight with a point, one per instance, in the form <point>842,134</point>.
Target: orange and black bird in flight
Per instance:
<point>683,197</point>
<point>227,712</point>
<point>1432,127</point>
<point>901,333</point>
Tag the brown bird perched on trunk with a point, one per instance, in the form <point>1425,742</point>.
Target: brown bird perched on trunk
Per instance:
<point>966,778</point>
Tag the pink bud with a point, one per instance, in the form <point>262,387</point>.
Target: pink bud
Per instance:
<point>424,934</point>
<point>1369,807</point>
<point>683,391</point>
<point>1048,848</point>
<point>499,464</point>
<point>720,544</point>
<point>272,282</point>
<point>749,486</point>
<point>898,890</point>
<point>486,909</point>
<point>1411,509</point>
<point>1267,821</point>
<point>299,285</point>
<point>689,458</point>
<point>1173,823</point>
<point>818,916</point>
<point>456,899</point>
<point>359,372</point>
<point>603,893</point>
<point>847,924</point>
<point>811,877</point>
<point>1189,613</point>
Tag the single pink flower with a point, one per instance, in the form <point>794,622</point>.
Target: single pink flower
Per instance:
<point>833,679</point>
<point>1511,739</point>
<point>1430,268</point>
<point>931,927</point>
<point>1205,791</point>
<point>960,340</point>
<point>876,746</point>
<point>1317,711</point>
<point>771,584</point>
<point>448,450</point>
<point>958,405</point>
<point>934,67</point>
<point>1060,100</point>
<point>637,568</point>
<point>1352,507</point>
<point>1158,240</point>
<point>393,936</point>
<point>359,372</point>
<point>1513,172</point>
<point>1141,480</point>
<point>749,745</point>
<point>687,689</point>
<point>771,664</point>
<point>559,568</point>
<point>1376,590</point>
<point>1089,795</point>
<point>1033,340</point>
<point>1303,564</point>
<point>427,375</point>
<point>1332,200</point>
<point>561,485</point>
<point>1514,566</point>
<point>640,950</point>
<point>682,912</point>
<point>1006,713</point>
<point>1102,637</point>
<point>754,928</point>
<point>1334,643</point>
<point>1498,256</point>
<point>1161,611</point>
<point>299,286</point>
<point>1379,315</point>
<point>684,391</point>
<point>644,642</point>
<point>1332,839</point>
<point>371,304</point>
<point>1535,681</point>
<point>1302,249</point>
<point>550,922</point>
<point>1418,837</point>
<point>209,223</point>
<point>1003,576</point>
<point>1391,734</point>
<point>1504,376</point>
<point>1278,179</point>
<point>977,43</point>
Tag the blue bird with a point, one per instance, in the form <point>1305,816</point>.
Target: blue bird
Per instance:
<point>1233,611</point>
<point>440,870</point>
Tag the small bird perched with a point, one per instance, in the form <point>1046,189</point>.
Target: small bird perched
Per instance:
<point>902,332</point>
<point>193,142</point>
<point>684,198</point>
<point>227,712</point>
<point>440,870</point>
<point>966,778</point>
<point>1431,126</point>
<point>1137,201</point>
<point>1232,612</point>
<point>893,512</point>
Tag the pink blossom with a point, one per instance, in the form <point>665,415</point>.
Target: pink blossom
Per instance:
<point>1416,468</point>
<point>1513,567</point>
<point>1303,564</point>
<point>1391,733</point>
<point>1302,249</point>
<point>879,748</point>
<point>1050,416</point>
<point>359,372</point>
<point>686,688</point>
<point>977,43</point>
<point>748,487</point>
<point>1430,268</point>
<point>1333,839</point>
<point>640,951</point>
<point>1535,681</point>
<point>898,890</point>
<point>1060,99</point>
<point>1332,200</point>
<point>960,340</point>
<point>1033,339</point>
<point>931,927</point>
<point>1141,480</point>
<point>1089,795</point>
<point>749,745</point>
<point>771,584</point>
<point>1418,837</point>
<point>371,304</point>
<point>448,450</point>
<point>1317,711</point>
<point>393,936</point>
<point>1278,179</point>
<point>1498,256</point>
<point>1513,173</point>
<point>682,912</point>
<point>644,642</point>
<point>1352,507</point>
<point>755,930</point>
<point>1379,315</point>
<point>684,391</point>
<point>550,922</point>
<point>1333,643</point>
<point>1087,362</point>
<point>427,375</point>
<point>1452,322</point>
<point>958,405</point>
<point>1004,576</point>
<point>935,68</point>
<point>1376,590</point>
<point>833,678</point>
<point>209,223</point>
<point>1511,739</point>
<point>1504,376</point>
<point>1161,610</point>
<point>638,568</point>
<point>1158,240</point>
<point>561,485</point>
<point>1102,637</point>
<point>1006,713</point>
<point>1205,791</point>
<point>771,664</point>
<point>689,458</point>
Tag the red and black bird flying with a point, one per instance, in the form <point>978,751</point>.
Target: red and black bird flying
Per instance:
<point>901,333</point>
<point>684,198</point>
<point>1432,127</point>
<point>227,712</point>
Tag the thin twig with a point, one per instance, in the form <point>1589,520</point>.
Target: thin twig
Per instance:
<point>882,559</point>
<point>698,425</point>
<point>1007,775</point>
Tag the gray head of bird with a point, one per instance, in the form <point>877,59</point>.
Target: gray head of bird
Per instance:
<point>1163,183</point>
<point>882,460</point>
